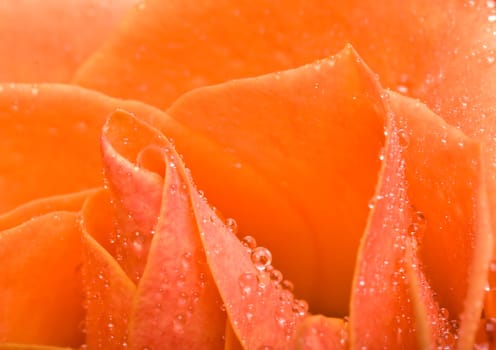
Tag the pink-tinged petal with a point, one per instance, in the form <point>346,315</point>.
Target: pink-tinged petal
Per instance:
<point>322,333</point>
<point>444,169</point>
<point>40,285</point>
<point>136,192</point>
<point>177,304</point>
<point>262,312</point>
<point>108,290</point>
<point>398,272</point>
<point>305,132</point>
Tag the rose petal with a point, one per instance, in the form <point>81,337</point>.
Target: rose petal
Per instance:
<point>321,333</point>
<point>108,291</point>
<point>457,184</point>
<point>402,220</point>
<point>37,48</point>
<point>154,55</point>
<point>41,278</point>
<point>177,304</point>
<point>298,131</point>
<point>68,202</point>
<point>136,192</point>
<point>36,120</point>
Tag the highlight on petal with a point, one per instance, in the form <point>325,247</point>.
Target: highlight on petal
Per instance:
<point>287,146</point>
<point>40,284</point>
<point>49,139</point>
<point>399,276</point>
<point>37,48</point>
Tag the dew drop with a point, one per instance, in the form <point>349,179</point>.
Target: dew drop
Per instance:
<point>138,244</point>
<point>178,323</point>
<point>300,307</point>
<point>275,275</point>
<point>249,242</point>
<point>261,258</point>
<point>404,138</point>
<point>182,300</point>
<point>287,285</point>
<point>232,225</point>
<point>247,283</point>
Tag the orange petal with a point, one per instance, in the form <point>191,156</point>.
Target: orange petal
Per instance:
<point>321,333</point>
<point>68,202</point>
<point>154,55</point>
<point>109,292</point>
<point>37,48</point>
<point>298,132</point>
<point>41,279</point>
<point>35,121</point>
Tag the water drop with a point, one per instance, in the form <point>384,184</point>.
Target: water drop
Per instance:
<point>247,283</point>
<point>261,258</point>
<point>249,242</point>
<point>403,138</point>
<point>275,275</point>
<point>287,285</point>
<point>138,243</point>
<point>491,18</point>
<point>182,300</point>
<point>300,307</point>
<point>178,323</point>
<point>232,225</point>
<point>402,88</point>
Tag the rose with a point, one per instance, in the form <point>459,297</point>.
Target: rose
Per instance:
<point>467,221</point>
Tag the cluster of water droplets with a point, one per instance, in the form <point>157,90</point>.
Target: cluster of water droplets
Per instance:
<point>189,295</point>
<point>256,286</point>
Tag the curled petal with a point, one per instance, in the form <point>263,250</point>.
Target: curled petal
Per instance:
<point>176,303</point>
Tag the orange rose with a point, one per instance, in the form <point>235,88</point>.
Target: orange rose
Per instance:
<point>376,207</point>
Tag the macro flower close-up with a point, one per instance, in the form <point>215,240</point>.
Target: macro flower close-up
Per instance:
<point>257,175</point>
